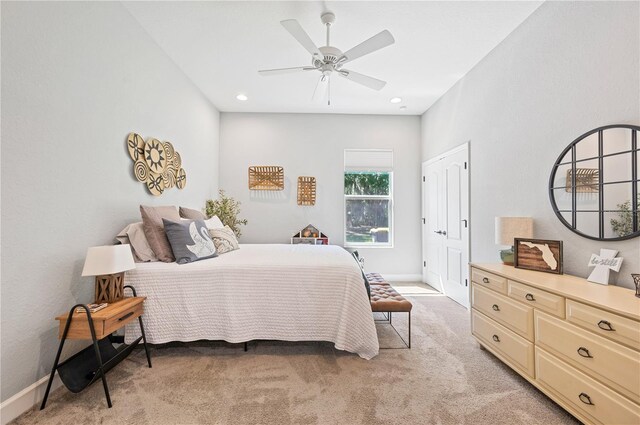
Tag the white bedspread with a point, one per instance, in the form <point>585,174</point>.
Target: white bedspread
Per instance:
<point>277,292</point>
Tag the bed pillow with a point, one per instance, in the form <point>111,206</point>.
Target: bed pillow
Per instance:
<point>191,214</point>
<point>190,240</point>
<point>133,235</point>
<point>154,229</point>
<point>224,239</point>
<point>214,223</point>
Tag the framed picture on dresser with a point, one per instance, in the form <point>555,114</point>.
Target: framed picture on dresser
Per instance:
<point>538,254</point>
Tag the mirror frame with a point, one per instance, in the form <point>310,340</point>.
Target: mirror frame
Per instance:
<point>635,185</point>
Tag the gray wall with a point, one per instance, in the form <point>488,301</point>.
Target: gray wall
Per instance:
<point>313,145</point>
<point>76,79</point>
<point>570,67</point>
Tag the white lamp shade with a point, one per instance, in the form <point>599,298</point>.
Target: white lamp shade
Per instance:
<point>110,259</point>
<point>508,228</point>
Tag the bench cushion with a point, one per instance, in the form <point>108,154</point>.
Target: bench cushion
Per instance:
<point>386,299</point>
<point>376,279</point>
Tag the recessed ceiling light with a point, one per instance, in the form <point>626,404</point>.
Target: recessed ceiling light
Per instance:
<point>403,108</point>
<point>242,97</point>
<point>395,100</point>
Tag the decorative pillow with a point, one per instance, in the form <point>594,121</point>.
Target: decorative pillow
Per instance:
<point>224,239</point>
<point>190,240</point>
<point>214,223</point>
<point>191,214</point>
<point>154,229</point>
<point>133,235</point>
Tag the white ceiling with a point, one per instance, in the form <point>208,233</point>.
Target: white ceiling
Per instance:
<point>221,45</point>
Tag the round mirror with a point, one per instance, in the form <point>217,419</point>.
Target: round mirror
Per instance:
<point>594,185</point>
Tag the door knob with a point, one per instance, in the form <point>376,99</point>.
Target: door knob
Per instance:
<point>438,232</point>
<point>444,232</point>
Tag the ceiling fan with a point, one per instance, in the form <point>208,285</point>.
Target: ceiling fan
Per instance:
<point>328,59</point>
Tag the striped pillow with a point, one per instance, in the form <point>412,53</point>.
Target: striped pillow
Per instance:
<point>224,239</point>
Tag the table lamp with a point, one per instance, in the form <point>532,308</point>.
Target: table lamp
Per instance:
<point>108,264</point>
<point>508,228</point>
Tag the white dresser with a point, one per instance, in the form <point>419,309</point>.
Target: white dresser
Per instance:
<point>577,341</point>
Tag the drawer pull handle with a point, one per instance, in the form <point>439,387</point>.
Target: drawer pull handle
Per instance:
<point>495,307</point>
<point>584,353</point>
<point>585,399</point>
<point>605,326</point>
<point>529,297</point>
<point>129,314</point>
<point>496,338</point>
<point>485,279</point>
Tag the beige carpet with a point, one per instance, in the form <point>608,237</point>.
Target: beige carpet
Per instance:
<point>444,379</point>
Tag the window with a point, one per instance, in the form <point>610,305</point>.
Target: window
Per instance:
<point>368,198</point>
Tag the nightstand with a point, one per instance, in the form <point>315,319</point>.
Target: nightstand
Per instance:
<point>84,368</point>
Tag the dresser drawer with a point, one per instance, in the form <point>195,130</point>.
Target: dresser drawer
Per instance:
<point>608,325</point>
<point>612,364</point>
<point>489,280</point>
<point>543,300</point>
<point>517,351</point>
<point>579,390</point>
<point>512,314</point>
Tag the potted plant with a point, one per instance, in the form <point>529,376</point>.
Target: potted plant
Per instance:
<point>227,209</point>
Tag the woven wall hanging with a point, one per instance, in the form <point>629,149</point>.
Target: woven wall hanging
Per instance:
<point>156,164</point>
<point>306,190</point>
<point>587,180</point>
<point>266,178</point>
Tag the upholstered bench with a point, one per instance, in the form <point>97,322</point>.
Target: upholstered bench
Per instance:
<point>385,299</point>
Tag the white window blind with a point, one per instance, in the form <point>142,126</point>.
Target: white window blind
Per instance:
<point>380,160</point>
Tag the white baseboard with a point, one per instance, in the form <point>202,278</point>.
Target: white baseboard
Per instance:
<point>402,277</point>
<point>15,406</point>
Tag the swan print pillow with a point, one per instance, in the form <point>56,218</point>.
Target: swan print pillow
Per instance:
<point>190,240</point>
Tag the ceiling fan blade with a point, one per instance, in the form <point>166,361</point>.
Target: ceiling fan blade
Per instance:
<point>266,72</point>
<point>365,80</point>
<point>303,38</point>
<point>377,42</point>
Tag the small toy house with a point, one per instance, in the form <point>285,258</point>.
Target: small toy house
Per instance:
<point>310,235</point>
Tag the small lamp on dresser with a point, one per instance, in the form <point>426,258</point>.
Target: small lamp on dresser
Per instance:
<point>509,228</point>
<point>108,264</point>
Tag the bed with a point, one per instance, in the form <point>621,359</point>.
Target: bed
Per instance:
<point>269,292</point>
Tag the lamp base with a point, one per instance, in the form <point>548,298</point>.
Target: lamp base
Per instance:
<point>507,256</point>
<point>109,288</point>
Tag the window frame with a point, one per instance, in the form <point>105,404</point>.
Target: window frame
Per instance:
<point>346,197</point>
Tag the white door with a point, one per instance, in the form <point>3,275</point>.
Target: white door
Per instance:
<point>432,223</point>
<point>446,224</point>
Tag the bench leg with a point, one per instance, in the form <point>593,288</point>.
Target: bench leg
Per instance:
<point>406,343</point>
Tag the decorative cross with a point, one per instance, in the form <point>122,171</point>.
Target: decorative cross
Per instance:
<point>604,263</point>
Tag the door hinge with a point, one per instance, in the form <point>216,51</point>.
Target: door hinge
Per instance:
<point>465,165</point>
<point>465,223</point>
<point>424,221</point>
<point>466,282</point>
<point>424,264</point>
<point>424,179</point>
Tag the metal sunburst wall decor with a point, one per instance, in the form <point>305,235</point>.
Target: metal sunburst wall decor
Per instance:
<point>156,164</point>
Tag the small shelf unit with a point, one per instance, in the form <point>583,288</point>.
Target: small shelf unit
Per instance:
<point>310,235</point>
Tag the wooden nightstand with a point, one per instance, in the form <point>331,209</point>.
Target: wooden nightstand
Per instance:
<point>84,368</point>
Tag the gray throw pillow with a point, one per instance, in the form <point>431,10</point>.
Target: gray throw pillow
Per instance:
<point>190,240</point>
<point>224,239</point>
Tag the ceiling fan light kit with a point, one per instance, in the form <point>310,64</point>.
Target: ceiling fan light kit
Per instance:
<point>329,59</point>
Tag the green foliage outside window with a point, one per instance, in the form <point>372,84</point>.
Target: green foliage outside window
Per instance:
<point>366,183</point>
<point>367,217</point>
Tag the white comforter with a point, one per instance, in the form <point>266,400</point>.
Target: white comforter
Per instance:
<point>277,292</point>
